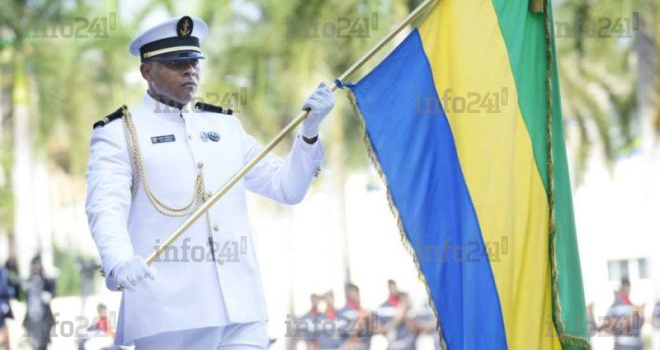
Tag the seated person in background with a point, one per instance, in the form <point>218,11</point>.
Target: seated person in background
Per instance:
<point>359,328</point>
<point>624,320</point>
<point>400,328</point>
<point>100,335</point>
<point>328,334</point>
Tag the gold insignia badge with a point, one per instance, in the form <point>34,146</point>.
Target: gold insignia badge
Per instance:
<point>184,27</point>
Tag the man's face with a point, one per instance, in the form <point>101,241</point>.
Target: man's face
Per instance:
<point>352,294</point>
<point>36,268</point>
<point>625,290</point>
<point>103,312</point>
<point>175,80</point>
<point>392,288</point>
<point>329,299</point>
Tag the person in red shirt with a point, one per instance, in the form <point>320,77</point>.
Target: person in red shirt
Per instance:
<point>327,327</point>
<point>102,321</point>
<point>101,334</point>
<point>393,298</point>
<point>624,320</point>
<point>359,327</point>
<point>312,317</point>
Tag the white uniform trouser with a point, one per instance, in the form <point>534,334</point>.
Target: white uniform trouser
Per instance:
<point>237,336</point>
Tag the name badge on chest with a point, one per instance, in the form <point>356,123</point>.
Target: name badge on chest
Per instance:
<point>161,139</point>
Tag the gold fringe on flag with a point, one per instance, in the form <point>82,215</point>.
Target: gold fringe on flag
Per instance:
<point>565,339</point>
<point>402,232</point>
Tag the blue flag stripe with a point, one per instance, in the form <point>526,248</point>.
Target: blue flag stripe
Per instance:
<point>413,143</point>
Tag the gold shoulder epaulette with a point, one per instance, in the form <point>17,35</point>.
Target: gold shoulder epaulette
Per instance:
<point>112,116</point>
<point>213,108</point>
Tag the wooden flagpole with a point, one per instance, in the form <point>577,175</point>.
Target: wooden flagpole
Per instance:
<point>415,14</point>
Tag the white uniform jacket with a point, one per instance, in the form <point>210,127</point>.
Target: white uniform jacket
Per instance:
<point>194,292</point>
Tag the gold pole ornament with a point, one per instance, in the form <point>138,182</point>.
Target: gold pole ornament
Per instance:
<point>536,6</point>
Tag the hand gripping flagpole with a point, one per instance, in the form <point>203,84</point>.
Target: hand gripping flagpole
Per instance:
<point>415,14</point>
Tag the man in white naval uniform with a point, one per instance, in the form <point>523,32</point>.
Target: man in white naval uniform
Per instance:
<point>151,167</point>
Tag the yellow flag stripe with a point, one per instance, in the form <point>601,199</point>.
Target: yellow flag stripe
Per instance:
<point>470,62</point>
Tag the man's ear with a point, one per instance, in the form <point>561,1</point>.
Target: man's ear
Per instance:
<point>145,69</point>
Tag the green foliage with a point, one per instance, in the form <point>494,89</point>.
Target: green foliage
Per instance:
<point>68,279</point>
<point>74,82</point>
<point>599,75</point>
<point>6,195</point>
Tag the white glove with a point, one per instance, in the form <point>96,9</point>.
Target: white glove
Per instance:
<point>129,273</point>
<point>320,102</point>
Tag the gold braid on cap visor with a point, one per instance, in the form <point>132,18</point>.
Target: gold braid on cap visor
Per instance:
<point>170,49</point>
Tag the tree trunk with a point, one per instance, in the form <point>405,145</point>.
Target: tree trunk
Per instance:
<point>338,234</point>
<point>5,248</point>
<point>647,60</point>
<point>26,241</point>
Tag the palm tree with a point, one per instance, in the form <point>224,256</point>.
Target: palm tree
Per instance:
<point>609,84</point>
<point>21,117</point>
<point>58,88</point>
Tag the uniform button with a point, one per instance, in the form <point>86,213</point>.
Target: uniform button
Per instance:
<point>189,137</point>
<point>216,228</point>
<point>209,194</point>
<point>221,261</point>
<point>200,165</point>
